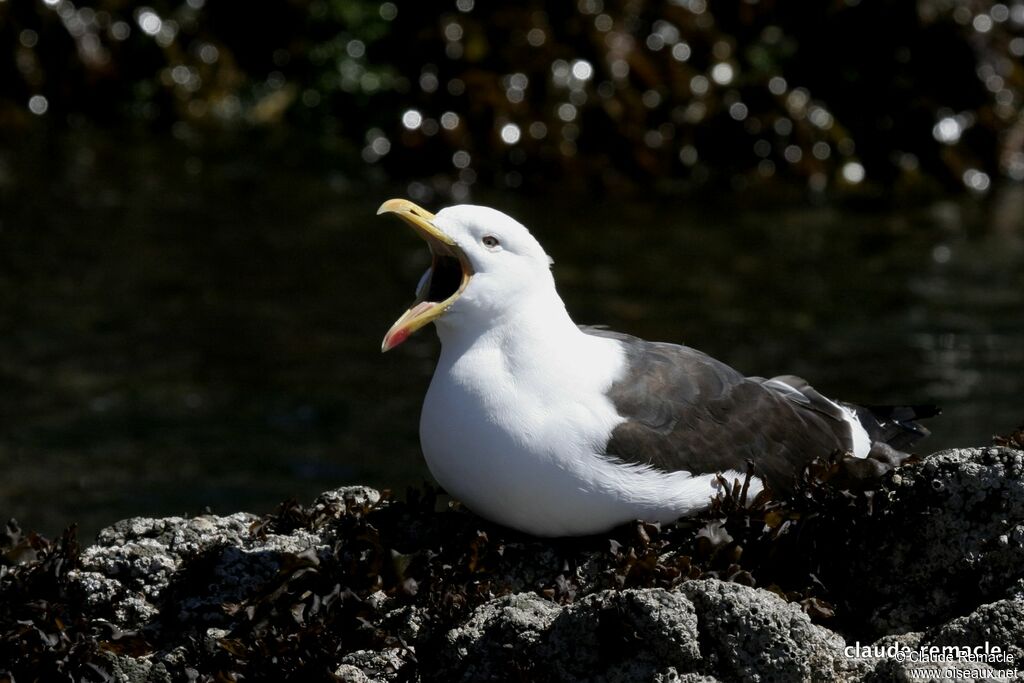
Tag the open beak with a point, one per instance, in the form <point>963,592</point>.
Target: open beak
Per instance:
<point>445,281</point>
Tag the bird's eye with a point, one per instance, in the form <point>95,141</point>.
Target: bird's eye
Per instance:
<point>490,241</point>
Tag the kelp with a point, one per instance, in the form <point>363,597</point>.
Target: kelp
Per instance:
<point>1014,439</point>
<point>45,631</point>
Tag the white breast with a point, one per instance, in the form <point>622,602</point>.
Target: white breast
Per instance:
<point>516,431</point>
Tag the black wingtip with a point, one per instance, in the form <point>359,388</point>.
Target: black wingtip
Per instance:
<point>904,413</point>
<point>897,426</point>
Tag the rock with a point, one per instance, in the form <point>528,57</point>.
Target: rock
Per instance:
<point>373,590</point>
<point>126,669</point>
<point>995,624</point>
<point>166,666</point>
<point>704,629</point>
<point>753,635</point>
<point>369,666</point>
<point>499,640</point>
<point>350,673</point>
<point>632,635</point>
<point>883,669</point>
<point>629,635</point>
<point>346,496</point>
<point>125,575</point>
<point>952,536</point>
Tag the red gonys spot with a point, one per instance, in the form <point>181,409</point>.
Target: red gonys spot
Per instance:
<point>397,338</point>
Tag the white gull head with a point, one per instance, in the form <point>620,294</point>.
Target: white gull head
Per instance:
<point>484,265</point>
<point>509,265</point>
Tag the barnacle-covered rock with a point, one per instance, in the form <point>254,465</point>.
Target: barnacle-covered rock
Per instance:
<point>361,587</point>
<point>628,635</point>
<point>376,666</point>
<point>753,634</point>
<point>706,627</point>
<point>499,639</point>
<point>997,623</point>
<point>124,576</point>
<point>951,537</point>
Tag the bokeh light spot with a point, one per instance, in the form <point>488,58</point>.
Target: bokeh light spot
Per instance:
<point>947,130</point>
<point>449,120</point>
<point>582,70</point>
<point>148,21</point>
<point>428,81</point>
<point>976,180</point>
<point>209,54</point>
<point>722,73</point>
<point>681,52</point>
<point>28,38</point>
<point>510,133</point>
<point>453,31</point>
<point>120,30</point>
<point>688,155</point>
<point>651,98</point>
<point>38,104</point>
<point>820,117</point>
<point>853,172</point>
<point>412,119</point>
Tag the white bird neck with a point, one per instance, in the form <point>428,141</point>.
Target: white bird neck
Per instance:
<point>538,322</point>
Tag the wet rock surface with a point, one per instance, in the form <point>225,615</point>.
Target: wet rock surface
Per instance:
<point>359,587</point>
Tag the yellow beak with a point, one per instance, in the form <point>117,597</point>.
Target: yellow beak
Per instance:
<point>449,266</point>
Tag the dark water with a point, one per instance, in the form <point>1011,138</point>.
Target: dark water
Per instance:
<point>182,330</point>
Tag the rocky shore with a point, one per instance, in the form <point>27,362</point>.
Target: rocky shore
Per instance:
<point>361,586</point>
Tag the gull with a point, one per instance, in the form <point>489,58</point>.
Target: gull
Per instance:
<point>557,429</point>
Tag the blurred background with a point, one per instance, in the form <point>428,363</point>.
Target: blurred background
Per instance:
<point>193,286</point>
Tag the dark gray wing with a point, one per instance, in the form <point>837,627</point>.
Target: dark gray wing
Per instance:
<point>687,411</point>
